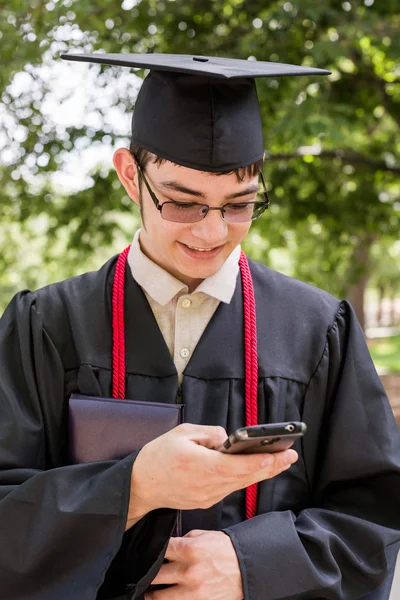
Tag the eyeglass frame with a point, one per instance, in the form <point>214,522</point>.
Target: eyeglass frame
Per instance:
<point>159,205</point>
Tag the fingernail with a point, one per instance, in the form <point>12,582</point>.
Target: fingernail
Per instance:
<point>267,461</point>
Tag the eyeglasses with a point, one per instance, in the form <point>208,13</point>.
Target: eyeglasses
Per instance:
<point>191,212</point>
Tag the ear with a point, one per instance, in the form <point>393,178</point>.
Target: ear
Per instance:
<point>126,168</point>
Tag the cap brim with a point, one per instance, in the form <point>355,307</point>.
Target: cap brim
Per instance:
<point>198,65</point>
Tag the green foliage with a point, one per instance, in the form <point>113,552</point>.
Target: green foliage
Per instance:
<point>332,142</point>
<point>386,353</point>
<point>385,263</point>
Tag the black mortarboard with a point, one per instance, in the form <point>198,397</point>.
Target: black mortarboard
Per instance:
<point>200,112</point>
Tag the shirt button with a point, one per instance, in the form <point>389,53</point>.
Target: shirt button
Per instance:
<point>186,303</point>
<point>185,352</point>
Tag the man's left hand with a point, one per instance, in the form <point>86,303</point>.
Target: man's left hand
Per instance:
<point>203,566</point>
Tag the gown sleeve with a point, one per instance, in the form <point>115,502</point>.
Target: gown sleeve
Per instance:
<point>60,527</point>
<point>342,545</point>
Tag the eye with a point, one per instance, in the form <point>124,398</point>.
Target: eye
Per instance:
<point>239,206</point>
<point>183,205</point>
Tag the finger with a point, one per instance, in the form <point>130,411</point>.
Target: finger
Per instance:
<point>281,459</point>
<point>273,464</point>
<point>170,573</point>
<point>174,551</point>
<point>261,466</point>
<point>176,592</point>
<point>272,469</point>
<point>204,435</point>
<point>195,533</point>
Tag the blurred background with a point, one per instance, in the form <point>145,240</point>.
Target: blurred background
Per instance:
<point>332,143</point>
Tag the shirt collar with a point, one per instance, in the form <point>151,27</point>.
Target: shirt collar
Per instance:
<point>162,286</point>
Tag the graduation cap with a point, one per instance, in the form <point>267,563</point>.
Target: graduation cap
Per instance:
<point>200,112</point>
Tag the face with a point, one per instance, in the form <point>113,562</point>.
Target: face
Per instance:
<point>189,251</point>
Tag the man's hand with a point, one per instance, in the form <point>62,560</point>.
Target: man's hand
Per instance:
<point>180,470</point>
<point>203,566</point>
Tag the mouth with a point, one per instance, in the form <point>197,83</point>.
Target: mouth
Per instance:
<point>201,249</point>
<point>201,253</point>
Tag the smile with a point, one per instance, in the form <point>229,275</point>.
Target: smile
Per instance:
<point>201,254</point>
<point>200,249</point>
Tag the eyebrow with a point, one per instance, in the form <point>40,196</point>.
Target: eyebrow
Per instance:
<point>178,187</point>
<point>251,189</point>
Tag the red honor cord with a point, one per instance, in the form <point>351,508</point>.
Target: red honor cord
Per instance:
<point>250,349</point>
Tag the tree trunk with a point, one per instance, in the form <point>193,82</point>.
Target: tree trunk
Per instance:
<point>379,313</point>
<point>393,311</point>
<point>358,277</point>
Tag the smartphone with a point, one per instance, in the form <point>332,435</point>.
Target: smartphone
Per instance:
<point>268,437</point>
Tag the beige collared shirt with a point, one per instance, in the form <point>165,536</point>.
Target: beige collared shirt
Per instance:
<point>182,316</point>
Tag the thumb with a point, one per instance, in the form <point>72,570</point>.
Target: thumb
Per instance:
<point>208,436</point>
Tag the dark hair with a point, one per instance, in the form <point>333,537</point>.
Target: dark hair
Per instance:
<point>144,157</point>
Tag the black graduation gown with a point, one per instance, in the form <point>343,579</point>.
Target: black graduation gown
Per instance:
<point>327,528</point>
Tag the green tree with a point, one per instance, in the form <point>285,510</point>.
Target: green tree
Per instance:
<point>332,143</point>
<point>385,263</point>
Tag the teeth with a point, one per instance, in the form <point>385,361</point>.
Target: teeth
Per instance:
<point>200,249</point>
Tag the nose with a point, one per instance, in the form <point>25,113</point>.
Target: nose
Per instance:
<point>211,230</point>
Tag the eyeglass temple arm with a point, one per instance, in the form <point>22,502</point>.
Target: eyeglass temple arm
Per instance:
<point>152,194</point>
<point>266,198</point>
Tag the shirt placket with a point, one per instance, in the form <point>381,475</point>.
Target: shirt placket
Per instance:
<point>183,346</point>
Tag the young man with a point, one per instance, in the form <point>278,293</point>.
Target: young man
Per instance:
<point>326,520</point>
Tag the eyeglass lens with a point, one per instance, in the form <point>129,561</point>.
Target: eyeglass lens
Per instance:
<point>190,213</point>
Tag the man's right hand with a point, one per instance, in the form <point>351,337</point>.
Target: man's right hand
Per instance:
<point>181,470</point>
